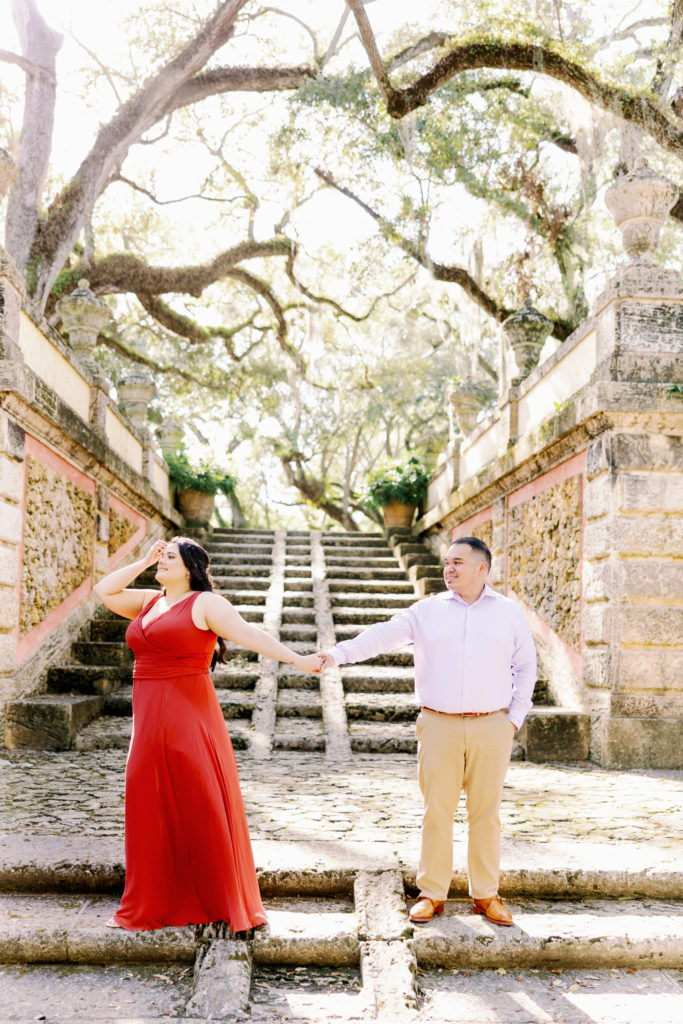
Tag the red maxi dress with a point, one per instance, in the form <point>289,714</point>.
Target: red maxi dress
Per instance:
<point>188,854</point>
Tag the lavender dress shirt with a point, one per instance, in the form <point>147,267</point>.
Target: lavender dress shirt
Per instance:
<point>468,657</point>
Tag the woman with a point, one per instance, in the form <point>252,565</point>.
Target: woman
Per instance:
<point>188,854</point>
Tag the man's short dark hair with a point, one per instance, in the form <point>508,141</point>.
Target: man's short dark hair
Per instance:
<point>476,545</point>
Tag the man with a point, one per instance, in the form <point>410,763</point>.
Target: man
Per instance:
<point>475,671</point>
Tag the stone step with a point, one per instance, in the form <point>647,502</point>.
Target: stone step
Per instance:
<point>596,933</point>
<point>228,547</point>
<point>393,602</point>
<point>381,707</point>
<point>235,701</point>
<point>298,734</point>
<point>298,631</point>
<point>345,615</point>
<point>297,599</point>
<point>292,614</point>
<point>113,733</point>
<point>227,584</point>
<point>238,656</point>
<point>102,679</point>
<point>90,652</point>
<point>299,704</point>
<point>347,630</point>
<point>237,558</point>
<point>299,584</point>
<point>95,992</point>
<point>339,588</point>
<point>109,630</point>
<point>382,575</point>
<point>353,540</point>
<point>243,597</point>
<point>402,657</point>
<point>297,572</point>
<point>236,677</point>
<point>360,559</point>
<point>382,738</point>
<point>222,575</point>
<point>367,678</point>
<point>48,721</point>
<point>236,704</point>
<point>555,734</point>
<point>106,733</point>
<point>290,679</point>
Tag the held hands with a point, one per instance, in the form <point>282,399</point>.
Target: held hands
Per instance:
<point>314,663</point>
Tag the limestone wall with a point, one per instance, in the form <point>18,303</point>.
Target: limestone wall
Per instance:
<point>582,500</point>
<point>73,504</point>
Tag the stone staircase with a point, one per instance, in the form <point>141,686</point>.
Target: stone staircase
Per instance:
<point>593,939</point>
<point>310,590</point>
<point>347,953</point>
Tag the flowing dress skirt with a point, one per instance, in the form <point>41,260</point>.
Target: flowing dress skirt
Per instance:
<point>188,853</point>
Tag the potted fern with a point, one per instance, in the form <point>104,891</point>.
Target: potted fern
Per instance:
<point>397,490</point>
<point>197,488</point>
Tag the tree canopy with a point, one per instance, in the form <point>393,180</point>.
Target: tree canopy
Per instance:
<point>309,217</point>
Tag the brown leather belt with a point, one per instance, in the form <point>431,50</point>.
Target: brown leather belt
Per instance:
<point>462,714</point>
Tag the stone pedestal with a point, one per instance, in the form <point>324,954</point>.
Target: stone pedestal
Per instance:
<point>633,613</point>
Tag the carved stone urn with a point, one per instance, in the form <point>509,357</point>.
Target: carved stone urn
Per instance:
<point>466,399</point>
<point>170,436</point>
<point>526,331</point>
<point>83,316</point>
<point>8,172</point>
<point>640,203</point>
<point>135,392</point>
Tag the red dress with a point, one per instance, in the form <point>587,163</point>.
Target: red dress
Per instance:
<point>188,854</point>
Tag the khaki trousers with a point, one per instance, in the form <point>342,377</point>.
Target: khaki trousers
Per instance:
<point>453,754</point>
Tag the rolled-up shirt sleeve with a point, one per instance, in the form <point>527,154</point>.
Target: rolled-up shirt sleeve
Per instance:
<point>523,671</point>
<point>378,639</point>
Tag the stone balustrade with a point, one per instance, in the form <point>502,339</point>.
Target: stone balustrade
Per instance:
<point>574,480</point>
<point>82,485</point>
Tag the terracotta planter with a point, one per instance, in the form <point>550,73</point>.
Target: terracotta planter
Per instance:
<point>196,506</point>
<point>398,514</point>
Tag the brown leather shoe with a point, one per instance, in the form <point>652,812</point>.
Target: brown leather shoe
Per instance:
<point>493,910</point>
<point>425,909</point>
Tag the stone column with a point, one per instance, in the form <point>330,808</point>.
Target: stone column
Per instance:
<point>83,316</point>
<point>498,545</point>
<point>633,612</point>
<point>101,534</point>
<point>12,286</point>
<point>12,290</point>
<point>11,517</point>
<point>135,391</point>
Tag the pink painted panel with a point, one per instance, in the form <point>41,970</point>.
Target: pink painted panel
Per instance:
<point>48,457</point>
<point>463,529</point>
<point>35,636</point>
<point>134,517</point>
<point>571,467</point>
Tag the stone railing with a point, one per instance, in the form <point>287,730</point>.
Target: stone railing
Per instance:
<point>82,484</point>
<point>574,482</point>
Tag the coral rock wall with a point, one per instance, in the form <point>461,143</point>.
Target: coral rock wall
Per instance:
<point>121,529</point>
<point>544,556</point>
<point>59,539</point>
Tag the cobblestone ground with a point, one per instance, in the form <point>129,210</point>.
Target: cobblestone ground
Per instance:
<point>304,809</point>
<point>302,797</point>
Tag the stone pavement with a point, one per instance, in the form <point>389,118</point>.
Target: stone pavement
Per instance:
<point>623,826</point>
<point>592,866</point>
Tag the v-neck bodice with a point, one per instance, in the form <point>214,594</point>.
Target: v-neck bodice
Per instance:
<point>170,645</point>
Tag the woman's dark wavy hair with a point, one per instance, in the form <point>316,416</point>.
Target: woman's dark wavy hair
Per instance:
<point>196,559</point>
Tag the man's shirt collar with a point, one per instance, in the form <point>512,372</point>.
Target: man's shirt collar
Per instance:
<point>486,592</point>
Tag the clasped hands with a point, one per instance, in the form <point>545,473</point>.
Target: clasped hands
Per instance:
<point>315,663</point>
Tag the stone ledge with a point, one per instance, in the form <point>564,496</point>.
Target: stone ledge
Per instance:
<point>58,425</point>
<point>595,934</point>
